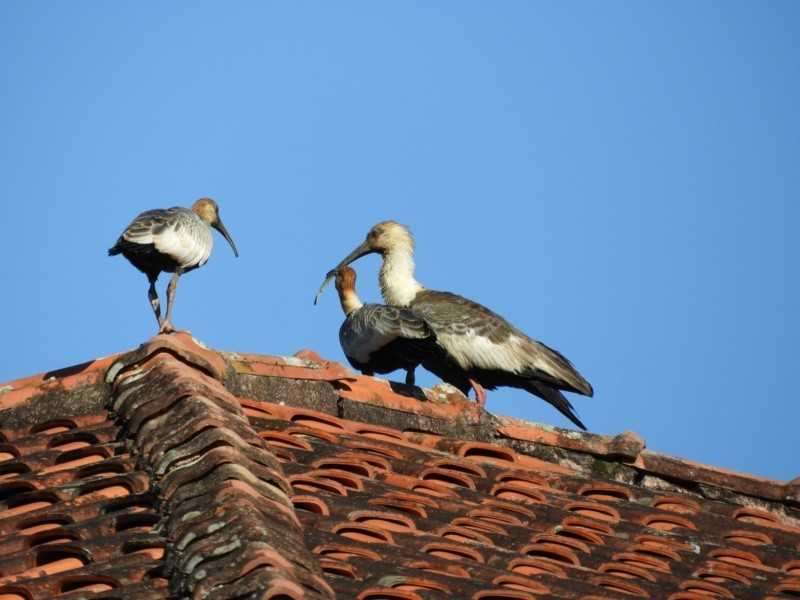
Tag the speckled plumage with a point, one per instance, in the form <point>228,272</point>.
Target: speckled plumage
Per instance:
<point>485,350</point>
<point>173,240</point>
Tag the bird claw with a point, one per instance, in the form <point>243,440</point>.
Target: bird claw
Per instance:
<point>167,328</point>
<point>480,393</point>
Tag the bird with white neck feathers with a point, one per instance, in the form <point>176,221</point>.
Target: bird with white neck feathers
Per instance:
<point>485,350</point>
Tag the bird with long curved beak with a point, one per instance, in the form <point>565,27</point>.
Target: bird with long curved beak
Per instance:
<point>486,351</point>
<point>377,338</point>
<point>173,240</point>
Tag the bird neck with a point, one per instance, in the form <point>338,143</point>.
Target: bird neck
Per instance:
<point>350,301</point>
<point>396,278</point>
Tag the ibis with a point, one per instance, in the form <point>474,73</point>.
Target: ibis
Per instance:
<point>173,240</point>
<point>377,338</point>
<point>485,350</point>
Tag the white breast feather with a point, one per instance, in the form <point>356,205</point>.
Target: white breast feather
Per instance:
<point>189,246</point>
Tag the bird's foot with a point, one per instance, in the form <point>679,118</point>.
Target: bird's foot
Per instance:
<point>167,328</point>
<point>480,393</point>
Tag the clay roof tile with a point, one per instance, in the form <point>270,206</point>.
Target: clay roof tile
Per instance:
<point>177,470</point>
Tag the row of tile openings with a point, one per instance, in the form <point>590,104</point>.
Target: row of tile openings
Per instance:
<point>323,426</point>
<point>53,539</point>
<point>94,428</point>
<point>58,570</point>
<point>83,583</point>
<point>548,551</point>
<point>49,529</point>
<point>46,583</point>
<point>601,492</point>
<point>732,556</point>
<point>105,519</point>
<point>531,567</point>
<point>82,463</point>
<point>67,547</point>
<point>64,434</point>
<point>520,579</point>
<point>68,441</point>
<point>321,421</point>
<point>579,529</point>
<point>693,590</point>
<point>54,427</point>
<point>522,488</point>
<point>739,536</point>
<point>23,497</point>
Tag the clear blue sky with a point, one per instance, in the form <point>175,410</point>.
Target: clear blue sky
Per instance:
<point>620,180</point>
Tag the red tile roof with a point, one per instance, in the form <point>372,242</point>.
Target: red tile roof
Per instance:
<point>176,470</point>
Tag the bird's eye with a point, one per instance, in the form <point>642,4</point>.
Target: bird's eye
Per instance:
<point>373,234</point>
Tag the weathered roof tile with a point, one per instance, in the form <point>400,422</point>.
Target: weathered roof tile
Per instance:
<point>176,470</point>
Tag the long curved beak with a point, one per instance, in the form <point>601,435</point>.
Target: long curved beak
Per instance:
<point>330,275</point>
<point>221,228</point>
<point>362,250</point>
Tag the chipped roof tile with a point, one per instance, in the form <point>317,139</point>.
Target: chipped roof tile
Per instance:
<point>177,470</point>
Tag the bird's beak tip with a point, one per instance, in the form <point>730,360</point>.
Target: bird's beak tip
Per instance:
<point>328,277</point>
<point>357,253</point>
<point>221,228</point>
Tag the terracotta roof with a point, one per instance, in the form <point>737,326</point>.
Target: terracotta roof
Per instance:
<point>175,470</point>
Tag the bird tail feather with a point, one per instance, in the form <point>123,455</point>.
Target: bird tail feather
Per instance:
<point>556,398</point>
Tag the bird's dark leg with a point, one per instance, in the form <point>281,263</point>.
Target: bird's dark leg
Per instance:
<point>480,393</point>
<point>410,379</point>
<point>166,325</point>
<point>152,294</point>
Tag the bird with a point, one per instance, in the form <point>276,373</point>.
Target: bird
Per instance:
<point>173,240</point>
<point>377,338</point>
<point>485,349</point>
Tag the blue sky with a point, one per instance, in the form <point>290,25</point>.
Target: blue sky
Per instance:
<point>620,180</point>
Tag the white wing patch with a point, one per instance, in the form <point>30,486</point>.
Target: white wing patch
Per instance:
<point>474,351</point>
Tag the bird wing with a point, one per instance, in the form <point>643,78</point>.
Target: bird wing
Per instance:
<point>173,232</point>
<point>373,326</point>
<point>150,225</point>
<point>478,338</point>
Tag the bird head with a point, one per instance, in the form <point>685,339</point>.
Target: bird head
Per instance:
<point>345,279</point>
<point>208,210</point>
<point>346,287</point>
<point>383,238</point>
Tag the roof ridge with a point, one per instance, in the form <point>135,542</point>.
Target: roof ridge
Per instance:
<point>220,484</point>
